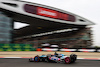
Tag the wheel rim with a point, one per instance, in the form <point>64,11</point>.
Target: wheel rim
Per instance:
<point>36,59</point>
<point>67,60</point>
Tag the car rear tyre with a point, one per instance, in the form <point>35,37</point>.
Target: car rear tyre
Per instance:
<point>67,60</point>
<point>73,58</point>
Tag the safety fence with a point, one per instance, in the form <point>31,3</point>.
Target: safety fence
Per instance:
<point>29,47</point>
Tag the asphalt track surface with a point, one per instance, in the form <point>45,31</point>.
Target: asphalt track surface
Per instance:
<point>23,62</point>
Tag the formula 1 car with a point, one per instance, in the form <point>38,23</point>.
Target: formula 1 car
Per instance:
<point>59,58</point>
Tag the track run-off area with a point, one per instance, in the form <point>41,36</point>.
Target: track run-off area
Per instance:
<point>21,59</point>
<point>28,54</point>
<point>23,62</point>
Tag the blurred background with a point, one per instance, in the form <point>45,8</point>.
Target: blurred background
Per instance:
<point>29,33</point>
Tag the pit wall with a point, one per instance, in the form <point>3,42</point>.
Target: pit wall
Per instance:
<point>29,47</point>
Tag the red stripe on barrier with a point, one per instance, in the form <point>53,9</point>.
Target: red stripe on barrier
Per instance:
<point>1,57</point>
<point>67,51</point>
<point>65,48</point>
<point>92,58</point>
<point>38,49</point>
<point>85,49</point>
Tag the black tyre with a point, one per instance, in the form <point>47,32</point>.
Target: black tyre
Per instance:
<point>73,58</point>
<point>67,60</point>
<point>36,59</point>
